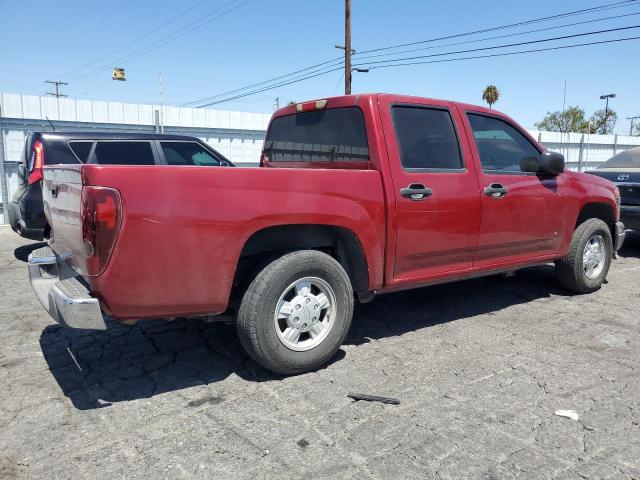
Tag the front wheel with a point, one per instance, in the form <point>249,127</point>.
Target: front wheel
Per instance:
<point>585,267</point>
<point>296,312</point>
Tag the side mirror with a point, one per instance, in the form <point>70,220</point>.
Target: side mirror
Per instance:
<point>551,163</point>
<point>530,165</point>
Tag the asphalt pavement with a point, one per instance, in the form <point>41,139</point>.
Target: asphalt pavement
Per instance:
<point>480,367</point>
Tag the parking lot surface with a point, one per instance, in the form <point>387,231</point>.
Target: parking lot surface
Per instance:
<point>479,367</point>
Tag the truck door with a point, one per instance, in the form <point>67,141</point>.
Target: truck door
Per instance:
<point>522,213</point>
<point>436,191</point>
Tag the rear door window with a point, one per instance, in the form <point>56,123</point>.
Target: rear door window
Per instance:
<point>334,135</point>
<point>123,153</point>
<point>426,139</point>
<point>188,153</point>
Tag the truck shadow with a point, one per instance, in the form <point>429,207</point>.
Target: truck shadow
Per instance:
<point>96,369</point>
<point>22,253</point>
<point>399,313</point>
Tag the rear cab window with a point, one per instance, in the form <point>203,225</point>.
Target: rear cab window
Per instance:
<point>427,139</point>
<point>123,153</point>
<point>333,135</point>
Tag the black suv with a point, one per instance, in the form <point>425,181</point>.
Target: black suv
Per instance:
<point>26,214</point>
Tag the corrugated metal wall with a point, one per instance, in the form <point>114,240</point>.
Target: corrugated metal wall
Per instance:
<point>237,135</point>
<point>584,151</point>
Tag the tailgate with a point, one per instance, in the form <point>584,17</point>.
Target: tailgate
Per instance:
<point>62,198</point>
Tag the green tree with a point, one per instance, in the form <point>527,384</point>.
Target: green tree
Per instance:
<point>571,120</point>
<point>491,95</point>
<point>603,123</point>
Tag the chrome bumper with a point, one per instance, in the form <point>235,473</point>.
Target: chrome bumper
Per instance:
<point>62,292</point>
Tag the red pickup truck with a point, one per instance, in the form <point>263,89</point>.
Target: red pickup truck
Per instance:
<point>356,195</point>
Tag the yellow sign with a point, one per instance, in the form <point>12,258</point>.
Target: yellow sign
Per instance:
<point>118,74</point>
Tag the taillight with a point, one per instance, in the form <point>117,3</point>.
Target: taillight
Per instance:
<point>36,163</point>
<point>101,214</point>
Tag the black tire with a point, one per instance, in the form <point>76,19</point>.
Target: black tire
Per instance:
<point>256,327</point>
<point>570,269</point>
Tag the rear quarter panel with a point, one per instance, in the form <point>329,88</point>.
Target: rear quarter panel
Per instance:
<point>183,228</point>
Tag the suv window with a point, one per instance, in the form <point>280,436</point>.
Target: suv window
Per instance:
<point>334,135</point>
<point>501,147</point>
<point>81,149</point>
<point>123,153</point>
<point>188,153</point>
<point>426,138</point>
<point>56,152</point>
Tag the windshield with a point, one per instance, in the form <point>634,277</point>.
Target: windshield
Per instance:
<point>627,159</point>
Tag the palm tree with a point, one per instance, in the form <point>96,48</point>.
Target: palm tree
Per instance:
<point>491,95</point>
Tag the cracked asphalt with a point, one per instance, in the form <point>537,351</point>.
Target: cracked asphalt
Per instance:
<point>479,366</point>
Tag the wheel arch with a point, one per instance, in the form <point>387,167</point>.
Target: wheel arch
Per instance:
<point>601,210</point>
<point>269,243</point>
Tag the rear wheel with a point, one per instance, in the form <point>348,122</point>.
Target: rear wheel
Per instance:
<point>296,312</point>
<point>585,267</point>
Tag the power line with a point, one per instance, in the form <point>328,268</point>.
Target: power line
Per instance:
<point>563,37</point>
<point>574,24</point>
<point>561,47</point>
<point>201,22</point>
<point>205,20</point>
<point>269,88</point>
<point>136,40</point>
<point>317,65</point>
<point>608,6</point>
<point>358,55</point>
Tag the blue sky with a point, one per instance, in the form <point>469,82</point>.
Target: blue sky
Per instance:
<point>261,39</point>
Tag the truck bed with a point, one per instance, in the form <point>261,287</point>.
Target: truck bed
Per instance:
<point>185,227</point>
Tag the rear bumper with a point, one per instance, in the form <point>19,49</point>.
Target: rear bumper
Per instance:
<point>62,292</point>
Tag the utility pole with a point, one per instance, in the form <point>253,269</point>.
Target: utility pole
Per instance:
<point>57,83</point>
<point>161,104</point>
<point>347,47</point>
<point>631,121</point>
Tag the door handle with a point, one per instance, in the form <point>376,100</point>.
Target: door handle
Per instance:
<point>416,192</point>
<point>496,190</point>
<point>54,190</point>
